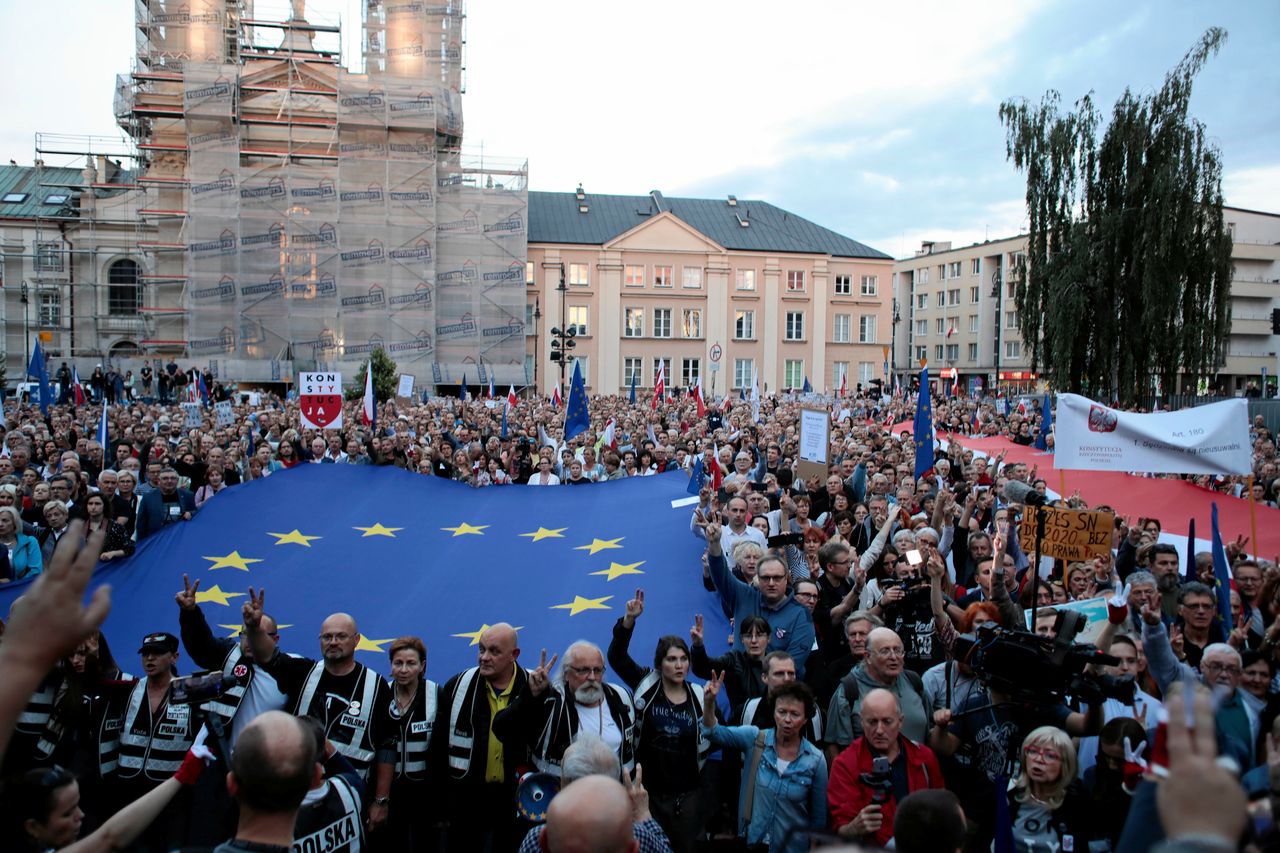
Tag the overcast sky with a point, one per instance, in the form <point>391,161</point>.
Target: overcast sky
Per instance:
<point>877,120</point>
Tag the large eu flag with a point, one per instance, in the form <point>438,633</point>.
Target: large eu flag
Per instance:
<point>922,427</point>
<point>410,554</point>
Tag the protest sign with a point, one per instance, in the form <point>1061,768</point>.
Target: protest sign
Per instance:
<point>192,415</point>
<point>1212,439</point>
<point>406,386</point>
<point>1094,610</point>
<point>226,417</point>
<point>815,432</point>
<point>320,400</point>
<point>1069,534</point>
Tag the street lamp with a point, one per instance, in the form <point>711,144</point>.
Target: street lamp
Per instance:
<point>562,339</point>
<point>537,354</point>
<point>26,333</point>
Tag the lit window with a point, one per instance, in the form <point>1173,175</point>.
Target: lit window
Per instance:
<point>663,275</point>
<point>528,273</point>
<point>691,322</point>
<point>744,325</point>
<point>633,275</point>
<point>578,318</point>
<point>633,323</point>
<point>692,277</point>
<point>745,279</point>
<point>578,275</point>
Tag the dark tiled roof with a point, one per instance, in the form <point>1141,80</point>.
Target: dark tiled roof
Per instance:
<point>38,184</point>
<point>555,218</point>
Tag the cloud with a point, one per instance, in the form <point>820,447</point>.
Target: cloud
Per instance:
<point>1257,188</point>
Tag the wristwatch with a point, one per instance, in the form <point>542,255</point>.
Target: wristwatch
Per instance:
<point>382,801</point>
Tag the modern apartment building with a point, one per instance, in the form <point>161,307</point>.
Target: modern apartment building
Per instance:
<point>1252,347</point>
<point>722,289</point>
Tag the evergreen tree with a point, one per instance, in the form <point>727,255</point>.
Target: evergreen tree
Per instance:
<point>1128,268</point>
<point>385,378</point>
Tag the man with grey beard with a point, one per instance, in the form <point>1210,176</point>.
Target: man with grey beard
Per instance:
<point>548,713</point>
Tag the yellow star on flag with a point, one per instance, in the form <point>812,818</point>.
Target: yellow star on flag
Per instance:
<point>617,570</point>
<point>474,636</point>
<point>379,530</point>
<point>580,604</point>
<point>232,561</point>
<point>237,629</point>
<point>464,528</point>
<point>217,596</point>
<point>294,537</point>
<point>545,533</point>
<point>367,645</point>
<point>598,545</point>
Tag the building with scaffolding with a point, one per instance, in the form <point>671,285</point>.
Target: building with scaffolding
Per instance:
<point>282,212</point>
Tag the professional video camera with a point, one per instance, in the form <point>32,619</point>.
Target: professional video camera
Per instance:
<point>1042,670</point>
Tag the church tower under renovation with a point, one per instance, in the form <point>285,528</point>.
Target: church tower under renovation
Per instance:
<point>302,214</point>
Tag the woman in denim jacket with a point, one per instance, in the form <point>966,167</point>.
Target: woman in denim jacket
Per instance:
<point>786,796</point>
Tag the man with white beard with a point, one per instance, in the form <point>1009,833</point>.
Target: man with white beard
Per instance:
<point>550,712</point>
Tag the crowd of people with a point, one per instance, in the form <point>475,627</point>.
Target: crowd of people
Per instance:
<point>849,704</point>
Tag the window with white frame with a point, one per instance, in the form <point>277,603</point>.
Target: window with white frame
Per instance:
<point>973,352</point>
<point>1011,288</point>
<point>973,322</point>
<point>578,318</point>
<point>663,365</point>
<point>795,281</point>
<point>49,257</point>
<point>662,322</point>
<point>953,296</point>
<point>579,275</point>
<point>839,373</point>
<point>867,329</point>
<point>793,373</point>
<point>691,277</point>
<point>922,328</point>
<point>744,325</point>
<point>585,363</point>
<point>844,285</point>
<point>942,299</point>
<point>954,272</point>
<point>50,309</point>
<point>1011,319</point>
<point>690,370</point>
<point>633,323</point>
<point>942,272</point>
<point>795,326</point>
<point>529,273</point>
<point>742,370</point>
<point>922,275</point>
<point>921,353</point>
<point>941,325</point>
<point>953,352</point>
<point>663,275</point>
<point>744,279</point>
<point>691,322</point>
<point>1013,350</point>
<point>633,275</point>
<point>922,300</point>
<point>937,352</point>
<point>975,266</point>
<point>870,285</point>
<point>632,370</point>
<point>528,318</point>
<point>866,370</point>
<point>974,294</point>
<point>840,329</point>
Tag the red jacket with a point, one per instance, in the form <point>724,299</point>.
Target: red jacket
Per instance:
<point>846,795</point>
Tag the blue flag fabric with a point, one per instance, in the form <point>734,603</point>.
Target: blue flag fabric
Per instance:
<point>1221,576</point>
<point>1189,574</point>
<point>1046,420</point>
<point>39,371</point>
<point>504,419</point>
<point>462,389</point>
<point>202,388</point>
<point>697,477</point>
<point>576,419</point>
<point>807,387</point>
<point>922,427</point>
<point>388,547</point>
<point>1003,842</point>
<point>102,426</point>
<point>632,399</point>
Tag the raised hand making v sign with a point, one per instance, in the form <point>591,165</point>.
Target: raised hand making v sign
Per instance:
<point>634,608</point>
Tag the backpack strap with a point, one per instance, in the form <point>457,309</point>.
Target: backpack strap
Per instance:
<point>756,754</point>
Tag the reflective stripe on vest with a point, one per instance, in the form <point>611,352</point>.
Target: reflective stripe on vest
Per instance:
<point>336,817</point>
<point>226,705</point>
<point>415,735</point>
<point>626,728</point>
<point>648,688</point>
<point>39,708</point>
<point>158,754</point>
<point>459,744</point>
<point>353,741</point>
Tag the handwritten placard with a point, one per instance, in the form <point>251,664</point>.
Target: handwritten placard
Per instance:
<point>1069,534</point>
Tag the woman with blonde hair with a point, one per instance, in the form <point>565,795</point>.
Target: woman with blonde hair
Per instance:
<point>1047,807</point>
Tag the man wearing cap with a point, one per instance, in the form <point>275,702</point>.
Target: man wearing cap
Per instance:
<point>142,740</point>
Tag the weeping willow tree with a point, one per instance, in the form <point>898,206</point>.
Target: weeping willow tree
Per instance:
<point>1128,267</point>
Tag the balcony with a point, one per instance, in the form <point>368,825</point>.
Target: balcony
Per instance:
<point>1255,251</point>
<point>1254,288</point>
<point>1250,324</point>
<point>1248,362</point>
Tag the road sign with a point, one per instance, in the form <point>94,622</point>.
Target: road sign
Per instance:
<point>716,352</point>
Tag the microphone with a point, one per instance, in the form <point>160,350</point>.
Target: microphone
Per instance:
<point>1018,492</point>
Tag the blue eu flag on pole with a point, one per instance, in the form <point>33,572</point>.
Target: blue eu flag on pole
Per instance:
<point>807,389</point>
<point>1046,420</point>
<point>102,426</point>
<point>504,419</point>
<point>697,477</point>
<point>576,418</point>
<point>633,389</point>
<point>922,427</point>
<point>559,567</point>
<point>1221,576</point>
<point>462,389</point>
<point>39,371</point>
